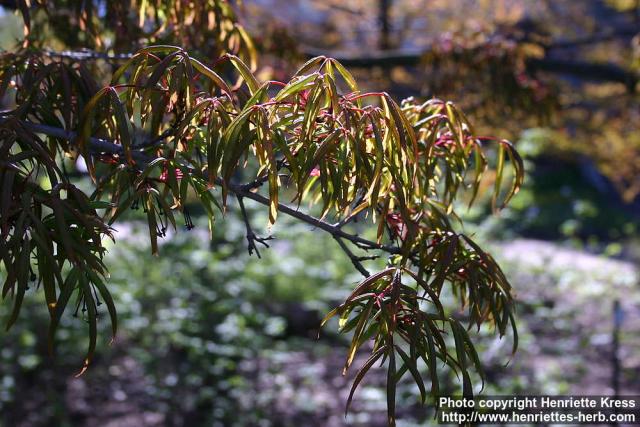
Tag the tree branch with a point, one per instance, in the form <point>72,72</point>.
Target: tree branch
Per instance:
<point>586,70</point>
<point>252,238</point>
<point>98,145</point>
<point>240,190</point>
<point>259,181</point>
<point>335,231</point>
<point>355,260</point>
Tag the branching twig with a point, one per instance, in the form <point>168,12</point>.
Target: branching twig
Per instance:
<point>355,260</point>
<point>252,238</point>
<point>259,181</point>
<point>316,222</point>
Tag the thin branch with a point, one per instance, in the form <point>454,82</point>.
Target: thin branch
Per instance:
<point>355,260</point>
<point>259,181</point>
<point>97,145</point>
<point>252,238</point>
<point>352,217</point>
<point>345,221</point>
<point>325,226</point>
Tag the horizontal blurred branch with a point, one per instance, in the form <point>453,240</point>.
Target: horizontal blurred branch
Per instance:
<point>586,70</point>
<point>412,57</point>
<point>604,36</point>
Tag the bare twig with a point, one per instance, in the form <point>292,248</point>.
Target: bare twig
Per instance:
<point>349,218</point>
<point>259,181</point>
<point>355,260</point>
<point>316,222</point>
<point>252,238</point>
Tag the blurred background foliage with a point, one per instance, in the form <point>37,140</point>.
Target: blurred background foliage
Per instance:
<point>211,336</point>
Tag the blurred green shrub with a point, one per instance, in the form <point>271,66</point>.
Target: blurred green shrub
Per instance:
<point>187,319</point>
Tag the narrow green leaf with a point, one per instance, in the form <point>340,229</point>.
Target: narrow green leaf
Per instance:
<point>361,373</point>
<point>296,85</point>
<point>106,296</point>
<point>412,366</point>
<point>363,318</point>
<point>211,75</point>
<point>91,319</point>
<point>346,75</point>
<point>391,388</point>
<point>60,305</point>
<point>245,72</point>
<point>22,281</point>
